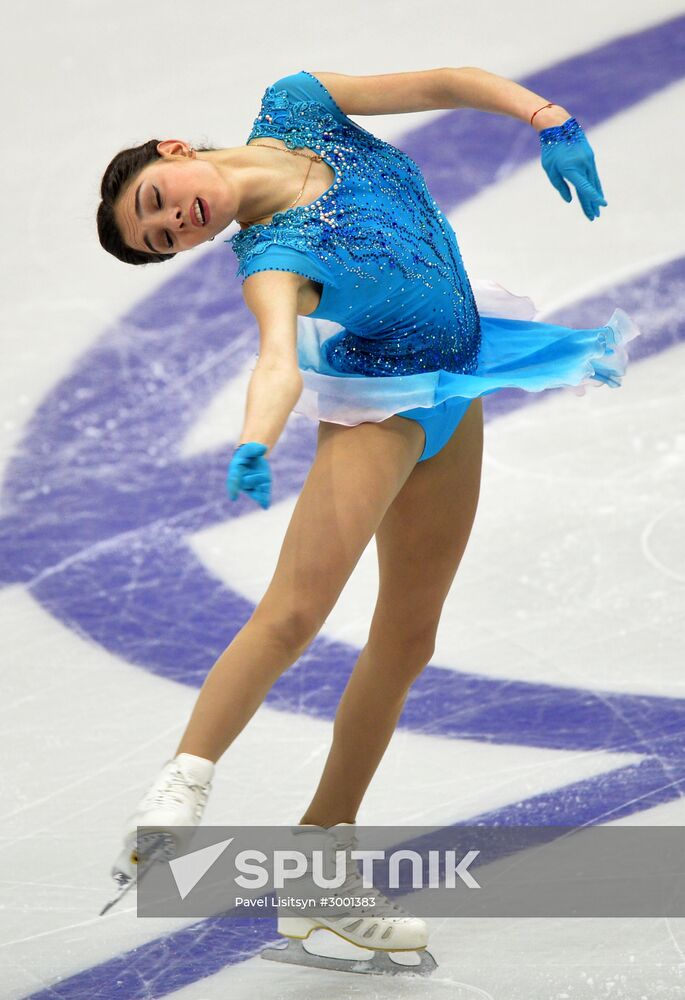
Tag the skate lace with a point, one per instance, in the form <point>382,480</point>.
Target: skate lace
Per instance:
<point>175,788</point>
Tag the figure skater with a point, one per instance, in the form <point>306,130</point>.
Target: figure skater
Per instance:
<point>338,225</point>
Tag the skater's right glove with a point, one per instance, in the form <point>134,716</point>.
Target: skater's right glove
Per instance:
<point>566,153</point>
<point>249,471</point>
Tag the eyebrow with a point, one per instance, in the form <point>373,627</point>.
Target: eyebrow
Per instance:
<point>146,240</point>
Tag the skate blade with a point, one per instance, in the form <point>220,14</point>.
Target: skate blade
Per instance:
<point>158,851</point>
<point>123,889</point>
<point>381,964</point>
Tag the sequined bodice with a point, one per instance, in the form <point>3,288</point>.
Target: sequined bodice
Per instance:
<point>388,259</point>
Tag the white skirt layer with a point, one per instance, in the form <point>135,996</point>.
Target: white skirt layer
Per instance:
<point>516,352</point>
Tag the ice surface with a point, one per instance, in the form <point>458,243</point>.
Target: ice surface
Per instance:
<point>572,585</point>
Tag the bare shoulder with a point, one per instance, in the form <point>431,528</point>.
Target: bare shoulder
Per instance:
<point>388,93</point>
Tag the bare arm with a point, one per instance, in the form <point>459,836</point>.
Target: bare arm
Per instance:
<point>276,382</point>
<point>470,87</point>
<point>437,89</point>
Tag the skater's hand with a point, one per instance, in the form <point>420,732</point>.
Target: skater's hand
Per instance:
<point>566,153</point>
<point>249,471</point>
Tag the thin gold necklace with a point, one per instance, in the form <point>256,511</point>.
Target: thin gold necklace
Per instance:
<point>294,152</point>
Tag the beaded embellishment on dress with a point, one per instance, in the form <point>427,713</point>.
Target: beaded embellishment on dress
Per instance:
<point>377,228</point>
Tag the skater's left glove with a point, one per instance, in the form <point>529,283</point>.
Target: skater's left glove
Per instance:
<point>249,471</point>
<point>566,153</point>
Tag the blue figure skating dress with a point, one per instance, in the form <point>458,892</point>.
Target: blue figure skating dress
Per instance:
<point>399,328</point>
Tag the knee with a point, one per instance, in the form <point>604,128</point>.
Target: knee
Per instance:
<point>405,652</point>
<point>419,652</point>
<point>292,627</point>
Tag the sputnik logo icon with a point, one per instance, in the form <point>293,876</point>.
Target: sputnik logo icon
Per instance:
<point>189,869</point>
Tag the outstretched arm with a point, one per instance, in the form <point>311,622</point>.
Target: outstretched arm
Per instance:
<point>439,89</point>
<point>275,384</point>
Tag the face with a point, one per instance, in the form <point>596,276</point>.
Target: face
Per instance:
<point>174,203</point>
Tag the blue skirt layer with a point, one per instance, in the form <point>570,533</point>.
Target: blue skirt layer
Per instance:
<point>516,352</point>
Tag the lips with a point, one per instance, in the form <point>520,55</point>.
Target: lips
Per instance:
<point>204,207</point>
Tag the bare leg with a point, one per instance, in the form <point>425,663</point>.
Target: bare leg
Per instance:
<point>418,558</point>
<point>356,474</point>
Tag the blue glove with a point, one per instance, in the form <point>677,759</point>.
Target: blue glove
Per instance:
<point>566,153</point>
<point>250,472</point>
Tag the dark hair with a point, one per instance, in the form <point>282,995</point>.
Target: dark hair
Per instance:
<point>120,171</point>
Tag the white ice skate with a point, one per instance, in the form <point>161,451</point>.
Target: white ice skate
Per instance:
<point>177,798</point>
<point>386,929</point>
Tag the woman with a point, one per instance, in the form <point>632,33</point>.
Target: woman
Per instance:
<point>339,225</point>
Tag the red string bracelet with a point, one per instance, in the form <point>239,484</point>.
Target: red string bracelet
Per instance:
<point>540,109</point>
